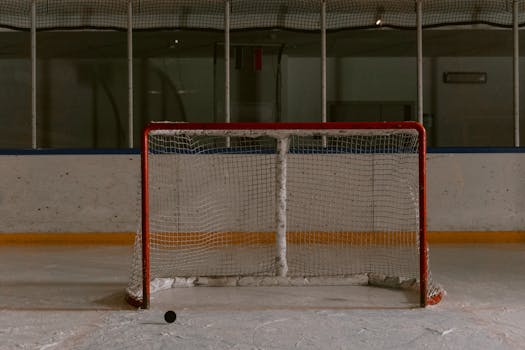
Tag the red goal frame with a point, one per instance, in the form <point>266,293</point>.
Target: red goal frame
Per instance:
<point>423,248</point>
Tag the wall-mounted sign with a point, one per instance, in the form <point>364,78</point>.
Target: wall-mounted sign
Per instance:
<point>465,77</point>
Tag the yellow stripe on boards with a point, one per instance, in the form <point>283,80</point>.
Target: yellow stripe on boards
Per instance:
<point>467,237</point>
<point>246,238</point>
<point>234,238</point>
<point>69,238</point>
<point>356,238</point>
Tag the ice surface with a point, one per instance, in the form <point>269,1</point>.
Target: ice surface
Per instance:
<point>73,298</point>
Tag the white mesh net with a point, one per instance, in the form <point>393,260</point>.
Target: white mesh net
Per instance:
<point>248,14</point>
<point>352,207</point>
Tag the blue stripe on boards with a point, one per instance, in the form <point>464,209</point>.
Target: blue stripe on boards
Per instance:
<point>293,150</point>
<point>239,150</point>
<point>68,151</point>
<point>487,150</point>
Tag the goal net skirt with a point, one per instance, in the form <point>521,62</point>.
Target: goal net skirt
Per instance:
<point>282,204</point>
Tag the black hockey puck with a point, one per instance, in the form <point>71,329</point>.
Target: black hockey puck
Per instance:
<point>170,316</point>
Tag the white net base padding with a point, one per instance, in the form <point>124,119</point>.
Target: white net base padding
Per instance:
<point>292,207</point>
<point>371,279</point>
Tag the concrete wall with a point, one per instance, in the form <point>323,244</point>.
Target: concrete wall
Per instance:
<point>83,102</point>
<point>98,193</point>
<point>473,114</point>
<point>462,114</point>
<point>348,79</point>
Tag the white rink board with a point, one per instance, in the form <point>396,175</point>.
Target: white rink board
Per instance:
<point>99,193</point>
<point>337,187</point>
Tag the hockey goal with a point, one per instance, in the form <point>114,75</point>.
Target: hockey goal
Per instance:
<point>282,204</point>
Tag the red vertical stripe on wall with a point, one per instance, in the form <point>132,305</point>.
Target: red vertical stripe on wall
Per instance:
<point>257,59</point>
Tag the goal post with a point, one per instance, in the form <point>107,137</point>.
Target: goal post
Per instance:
<point>295,204</point>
